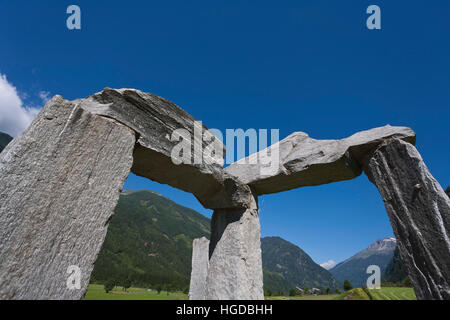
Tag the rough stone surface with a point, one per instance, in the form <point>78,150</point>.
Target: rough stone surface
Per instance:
<point>308,162</point>
<point>60,183</point>
<point>419,211</point>
<point>200,262</point>
<point>154,119</point>
<point>235,266</point>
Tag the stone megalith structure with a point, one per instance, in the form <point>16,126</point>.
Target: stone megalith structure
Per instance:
<point>61,181</point>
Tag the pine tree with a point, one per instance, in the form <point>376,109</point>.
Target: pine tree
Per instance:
<point>347,285</point>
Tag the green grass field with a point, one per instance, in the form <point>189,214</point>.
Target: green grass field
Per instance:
<point>97,292</point>
<point>389,293</point>
<point>394,294</point>
<point>354,294</point>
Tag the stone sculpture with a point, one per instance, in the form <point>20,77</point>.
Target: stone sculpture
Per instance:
<point>61,181</point>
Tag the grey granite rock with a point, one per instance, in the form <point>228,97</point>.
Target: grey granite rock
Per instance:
<point>154,119</point>
<point>419,211</point>
<point>200,262</point>
<point>60,182</point>
<point>304,161</point>
<point>235,266</point>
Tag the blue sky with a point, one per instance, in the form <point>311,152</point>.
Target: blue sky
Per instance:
<point>309,66</point>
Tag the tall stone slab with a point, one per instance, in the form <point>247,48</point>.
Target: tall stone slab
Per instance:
<point>419,211</point>
<point>199,273</point>
<point>235,266</point>
<point>60,183</point>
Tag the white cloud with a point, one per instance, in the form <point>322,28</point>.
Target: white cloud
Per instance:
<point>328,265</point>
<point>45,96</point>
<point>14,117</point>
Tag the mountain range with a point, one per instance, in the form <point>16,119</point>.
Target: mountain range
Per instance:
<point>4,140</point>
<point>149,242</point>
<point>383,253</point>
<point>287,261</point>
<point>354,269</point>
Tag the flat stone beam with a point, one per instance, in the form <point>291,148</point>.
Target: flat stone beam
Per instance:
<point>60,183</point>
<point>419,211</point>
<point>154,119</point>
<point>304,161</point>
<point>235,266</point>
<point>199,273</point>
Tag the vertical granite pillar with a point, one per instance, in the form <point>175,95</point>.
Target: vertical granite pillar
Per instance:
<point>419,211</point>
<point>235,265</point>
<point>199,273</point>
<point>60,183</point>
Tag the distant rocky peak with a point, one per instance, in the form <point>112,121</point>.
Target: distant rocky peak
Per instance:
<point>386,244</point>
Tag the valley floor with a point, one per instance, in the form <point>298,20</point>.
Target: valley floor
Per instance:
<point>97,292</point>
<point>385,293</point>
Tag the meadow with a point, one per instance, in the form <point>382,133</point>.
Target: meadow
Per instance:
<point>97,292</point>
<point>394,293</point>
<point>385,293</point>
